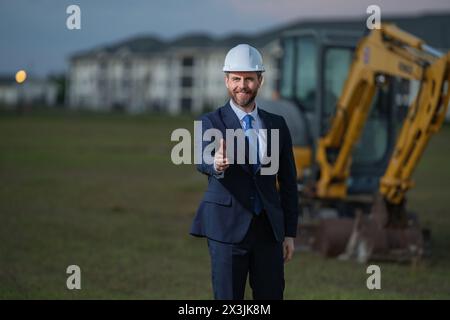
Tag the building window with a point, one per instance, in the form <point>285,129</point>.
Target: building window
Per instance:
<point>186,104</point>
<point>187,61</point>
<point>101,84</point>
<point>186,82</point>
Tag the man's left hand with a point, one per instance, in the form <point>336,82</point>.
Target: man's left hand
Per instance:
<point>288,248</point>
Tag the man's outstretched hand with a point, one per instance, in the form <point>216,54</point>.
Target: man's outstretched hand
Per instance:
<point>220,158</point>
<point>288,249</point>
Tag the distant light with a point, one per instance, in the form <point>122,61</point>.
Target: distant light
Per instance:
<point>21,75</point>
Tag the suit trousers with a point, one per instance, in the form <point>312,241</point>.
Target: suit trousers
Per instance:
<point>258,255</point>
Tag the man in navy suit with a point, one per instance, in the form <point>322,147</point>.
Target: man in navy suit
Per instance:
<point>249,223</point>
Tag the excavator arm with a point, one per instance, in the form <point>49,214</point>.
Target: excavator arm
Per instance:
<point>387,51</point>
<point>424,118</point>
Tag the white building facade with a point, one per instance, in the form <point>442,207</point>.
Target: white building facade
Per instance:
<point>31,92</point>
<point>174,80</point>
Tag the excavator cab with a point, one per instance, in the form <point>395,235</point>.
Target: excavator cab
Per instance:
<point>314,68</point>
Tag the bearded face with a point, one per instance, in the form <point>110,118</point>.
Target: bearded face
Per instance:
<point>243,87</point>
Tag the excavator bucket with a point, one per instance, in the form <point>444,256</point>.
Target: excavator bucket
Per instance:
<point>368,237</point>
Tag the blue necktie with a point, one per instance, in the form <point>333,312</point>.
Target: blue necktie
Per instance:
<point>253,146</point>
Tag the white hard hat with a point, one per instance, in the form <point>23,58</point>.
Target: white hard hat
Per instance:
<point>243,58</point>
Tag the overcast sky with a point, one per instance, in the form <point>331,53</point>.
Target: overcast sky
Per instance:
<point>33,33</point>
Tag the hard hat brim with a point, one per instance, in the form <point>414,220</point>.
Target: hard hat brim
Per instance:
<point>227,69</point>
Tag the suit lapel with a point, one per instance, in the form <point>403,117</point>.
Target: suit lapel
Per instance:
<point>267,125</point>
<point>231,121</point>
<point>229,118</point>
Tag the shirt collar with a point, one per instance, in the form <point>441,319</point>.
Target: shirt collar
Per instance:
<point>240,113</point>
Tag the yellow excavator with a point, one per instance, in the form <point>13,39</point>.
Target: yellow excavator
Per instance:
<point>361,111</point>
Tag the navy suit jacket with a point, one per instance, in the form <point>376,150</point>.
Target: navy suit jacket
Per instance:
<point>225,212</point>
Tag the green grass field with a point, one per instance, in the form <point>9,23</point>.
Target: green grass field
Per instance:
<point>100,191</point>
